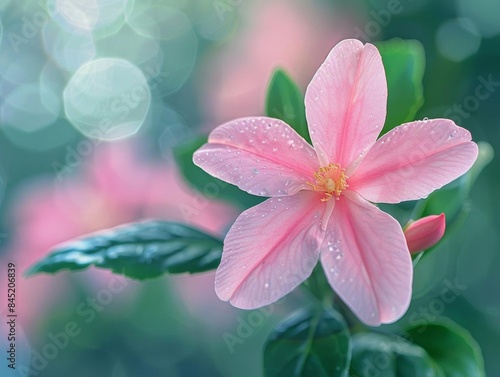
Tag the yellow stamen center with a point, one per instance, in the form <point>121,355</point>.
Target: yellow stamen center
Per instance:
<point>331,180</point>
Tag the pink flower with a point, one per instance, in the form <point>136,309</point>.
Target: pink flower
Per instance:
<point>321,198</point>
<point>425,232</point>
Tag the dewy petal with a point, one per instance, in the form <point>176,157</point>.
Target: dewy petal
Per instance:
<point>346,102</point>
<point>366,260</point>
<point>262,156</point>
<point>270,249</point>
<point>413,160</point>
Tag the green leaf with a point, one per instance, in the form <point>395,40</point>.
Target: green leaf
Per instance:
<point>285,101</point>
<point>140,250</point>
<point>390,356</point>
<point>308,343</point>
<point>208,186</point>
<point>404,63</point>
<point>451,347</point>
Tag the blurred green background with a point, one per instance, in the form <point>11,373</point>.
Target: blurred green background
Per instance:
<point>94,96</point>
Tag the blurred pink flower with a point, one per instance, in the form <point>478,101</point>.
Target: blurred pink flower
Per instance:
<point>115,186</point>
<point>425,232</point>
<point>283,33</point>
<point>320,205</point>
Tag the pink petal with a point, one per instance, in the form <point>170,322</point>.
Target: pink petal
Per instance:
<point>425,232</point>
<point>270,250</point>
<point>262,156</point>
<point>367,262</point>
<point>413,160</point>
<point>346,102</point>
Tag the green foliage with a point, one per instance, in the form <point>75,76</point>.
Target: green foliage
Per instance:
<point>404,63</point>
<point>285,101</point>
<point>451,347</point>
<point>390,356</point>
<point>139,250</point>
<point>431,350</point>
<point>308,343</point>
<point>208,186</point>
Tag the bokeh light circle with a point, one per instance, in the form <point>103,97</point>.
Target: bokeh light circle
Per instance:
<point>69,50</point>
<point>458,39</point>
<point>157,20</point>
<point>483,13</point>
<point>83,15</point>
<point>138,49</point>
<point>107,99</point>
<point>90,15</point>
<point>174,63</point>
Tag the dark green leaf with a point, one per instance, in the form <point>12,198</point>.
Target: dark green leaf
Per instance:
<point>140,250</point>
<point>404,63</point>
<point>308,343</point>
<point>451,347</point>
<point>285,101</point>
<point>390,356</point>
<point>208,186</point>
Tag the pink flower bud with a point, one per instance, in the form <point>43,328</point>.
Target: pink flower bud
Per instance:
<point>425,232</point>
